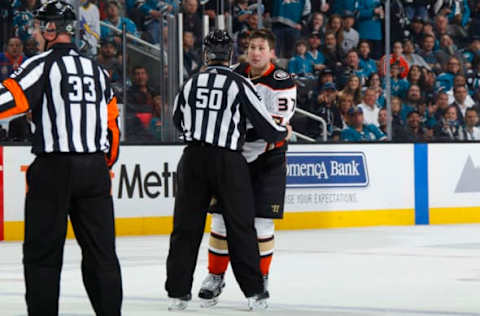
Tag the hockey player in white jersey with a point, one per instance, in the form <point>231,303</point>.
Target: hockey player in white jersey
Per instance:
<point>267,165</point>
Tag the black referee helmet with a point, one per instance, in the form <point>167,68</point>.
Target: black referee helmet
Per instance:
<point>59,12</point>
<point>218,46</point>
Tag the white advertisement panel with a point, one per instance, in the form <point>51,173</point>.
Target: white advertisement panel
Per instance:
<point>350,177</point>
<point>454,175</point>
<point>319,178</point>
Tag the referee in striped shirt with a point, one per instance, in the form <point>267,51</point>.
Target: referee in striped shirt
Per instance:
<point>212,110</point>
<point>75,142</point>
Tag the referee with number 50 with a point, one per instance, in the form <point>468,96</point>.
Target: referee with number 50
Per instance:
<point>212,110</point>
<point>75,142</point>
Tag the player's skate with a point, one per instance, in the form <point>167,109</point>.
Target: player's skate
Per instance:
<point>265,282</point>
<point>179,303</point>
<point>211,288</point>
<point>258,302</point>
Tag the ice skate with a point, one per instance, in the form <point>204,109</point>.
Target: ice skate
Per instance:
<point>179,303</point>
<point>211,288</point>
<point>258,302</point>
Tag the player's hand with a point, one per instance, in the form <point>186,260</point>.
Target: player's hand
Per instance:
<point>289,131</point>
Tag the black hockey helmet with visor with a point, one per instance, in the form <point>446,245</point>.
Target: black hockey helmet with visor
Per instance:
<point>218,46</point>
<point>59,12</point>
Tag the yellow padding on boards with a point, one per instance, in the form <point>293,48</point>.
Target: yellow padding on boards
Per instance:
<point>305,220</point>
<point>455,215</point>
<point>339,219</point>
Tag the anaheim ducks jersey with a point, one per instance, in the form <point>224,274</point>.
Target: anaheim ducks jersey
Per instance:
<point>278,91</point>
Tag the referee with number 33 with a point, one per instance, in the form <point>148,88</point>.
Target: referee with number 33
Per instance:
<point>76,141</point>
<point>213,110</point>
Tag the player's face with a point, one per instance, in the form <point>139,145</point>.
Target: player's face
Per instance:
<point>259,53</point>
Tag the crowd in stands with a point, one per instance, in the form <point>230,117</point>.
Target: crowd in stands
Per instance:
<point>334,50</point>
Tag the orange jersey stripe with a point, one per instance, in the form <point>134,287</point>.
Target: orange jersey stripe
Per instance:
<point>112,110</point>
<point>21,102</point>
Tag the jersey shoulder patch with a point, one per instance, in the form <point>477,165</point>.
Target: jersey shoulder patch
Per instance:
<point>280,74</point>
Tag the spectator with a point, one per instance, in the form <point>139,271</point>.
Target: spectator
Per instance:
<point>332,52</point>
<point>241,13</point>
<point>89,26</point>
<point>460,80</point>
<point>397,58</point>
<point>286,23</point>
<point>441,26</point>
<point>366,63</point>
<point>23,21</point>
<point>415,75</point>
<point>352,67</point>
<point>12,58</point>
<point>140,95</point>
<point>449,127</point>
<point>351,37</point>
<point>398,131</point>
<point>441,103</point>
<point>110,59</point>
<point>411,57</point>
<point>412,100</point>
<point>472,52</point>
<point>314,54</point>
<point>460,95</point>
<point>398,85</point>
<point>30,47</point>
<point>241,46</point>
<point>358,129</point>
<point>369,107</point>
<point>414,130</point>
<point>397,106</point>
<point>427,119</point>
<point>469,130</point>
<point>345,102</point>
<point>326,75</point>
<point>458,12</point>
<point>340,6</point>
<point>417,8</point>
<point>447,50</point>
<point>428,54</point>
<point>114,19</point>
<point>374,82</point>
<point>153,11</point>
<point>315,25</point>
<point>191,60</point>
<point>252,23</point>
<point>335,25</point>
<point>429,81</point>
<point>324,6</point>
<point>325,107</point>
<point>156,122</point>
<point>353,88</point>
<point>369,25</point>
<point>300,64</point>
<point>416,30</point>
<point>192,21</point>
<point>445,79</point>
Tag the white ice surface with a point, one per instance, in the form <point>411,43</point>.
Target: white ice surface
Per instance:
<point>401,271</point>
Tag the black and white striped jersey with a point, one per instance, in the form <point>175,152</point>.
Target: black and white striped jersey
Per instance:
<point>214,106</point>
<point>73,106</point>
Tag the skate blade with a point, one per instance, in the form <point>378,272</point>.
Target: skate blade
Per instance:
<point>204,303</point>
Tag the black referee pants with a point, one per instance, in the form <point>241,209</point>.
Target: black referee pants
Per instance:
<point>203,172</point>
<point>77,185</point>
